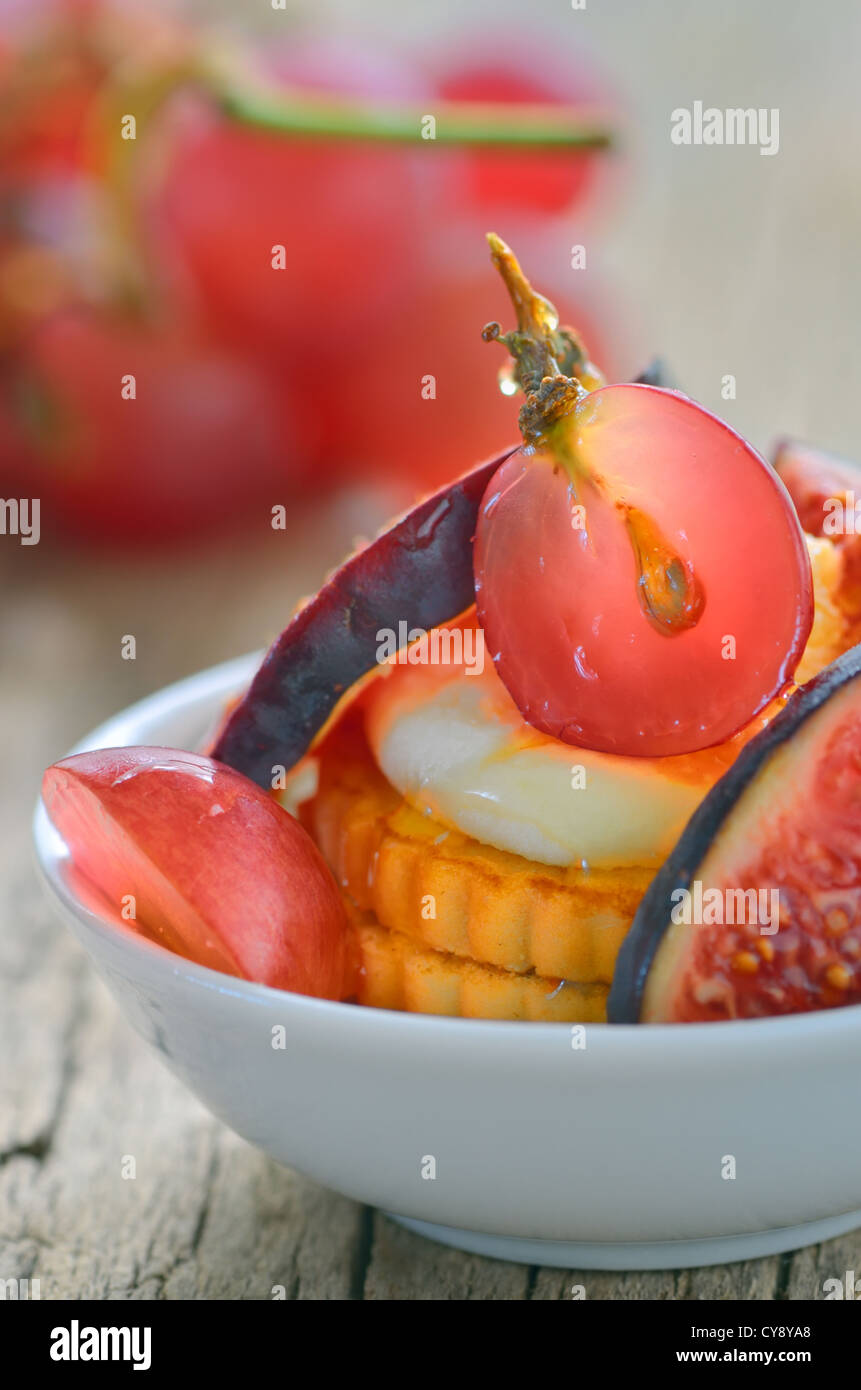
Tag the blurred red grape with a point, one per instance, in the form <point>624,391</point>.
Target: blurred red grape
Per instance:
<point>267,381</point>
<point>348,213</point>
<point>494,182</point>
<point>196,448</point>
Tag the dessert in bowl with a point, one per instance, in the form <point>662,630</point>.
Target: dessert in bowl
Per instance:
<point>596,1146</point>
<point>509,764</point>
<point>455,827</point>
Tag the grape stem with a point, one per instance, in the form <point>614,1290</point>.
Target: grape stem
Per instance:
<point>550,363</point>
<point>487,124</point>
<point>237,90</point>
<point>551,367</point>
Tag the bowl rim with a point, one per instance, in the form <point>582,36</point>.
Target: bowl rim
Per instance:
<point>219,682</point>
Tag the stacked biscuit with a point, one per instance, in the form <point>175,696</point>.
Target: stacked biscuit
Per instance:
<point>446,925</point>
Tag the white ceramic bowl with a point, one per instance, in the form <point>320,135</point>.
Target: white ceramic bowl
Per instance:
<point>608,1156</point>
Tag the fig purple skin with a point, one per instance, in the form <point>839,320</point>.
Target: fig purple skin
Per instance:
<point>813,702</point>
<point>418,571</point>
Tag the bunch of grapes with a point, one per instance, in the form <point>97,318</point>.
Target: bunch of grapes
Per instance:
<point>230,279</point>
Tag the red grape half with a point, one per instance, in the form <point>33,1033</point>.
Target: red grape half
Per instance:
<point>660,600</point>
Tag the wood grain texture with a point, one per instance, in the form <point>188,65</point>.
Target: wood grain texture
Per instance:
<point>721,260</point>
<point>205,1216</point>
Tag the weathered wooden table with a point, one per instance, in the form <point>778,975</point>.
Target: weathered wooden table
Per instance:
<point>206,1216</point>
<point>728,261</point>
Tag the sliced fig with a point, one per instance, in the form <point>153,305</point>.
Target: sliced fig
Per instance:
<point>821,485</point>
<point>417,572</point>
<point>826,491</point>
<point>757,911</point>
